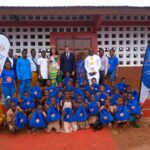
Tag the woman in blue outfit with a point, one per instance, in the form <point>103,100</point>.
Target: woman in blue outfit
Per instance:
<point>7,80</point>
<point>80,70</point>
<point>80,113</point>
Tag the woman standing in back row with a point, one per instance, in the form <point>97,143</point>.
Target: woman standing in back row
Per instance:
<point>54,65</point>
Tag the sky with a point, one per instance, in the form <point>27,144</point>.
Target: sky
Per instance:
<point>138,3</point>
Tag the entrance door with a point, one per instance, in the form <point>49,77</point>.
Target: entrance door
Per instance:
<point>77,41</point>
<point>76,45</point>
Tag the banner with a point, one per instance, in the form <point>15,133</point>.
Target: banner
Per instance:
<point>145,79</point>
<point>4,48</point>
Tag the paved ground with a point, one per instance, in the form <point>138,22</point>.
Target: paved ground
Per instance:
<point>105,139</point>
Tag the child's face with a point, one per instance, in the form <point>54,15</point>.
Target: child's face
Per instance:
<point>48,82</point>
<point>129,96</point>
<point>102,88</point>
<point>13,106</point>
<point>77,84</point>
<point>85,83</point>
<point>53,100</point>
<point>15,95</point>
<point>72,94</point>
<point>94,81</point>
<point>123,81</point>
<point>26,94</point>
<point>107,103</point>
<point>46,92</point>
<point>67,74</point>
<point>60,84</point>
<point>60,94</point>
<point>67,95</point>
<point>92,98</point>
<point>87,93</point>
<point>69,83</point>
<point>119,101</point>
<point>116,91</point>
<point>37,83</point>
<point>79,98</point>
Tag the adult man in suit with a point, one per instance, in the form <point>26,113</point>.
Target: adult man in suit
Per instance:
<point>67,62</point>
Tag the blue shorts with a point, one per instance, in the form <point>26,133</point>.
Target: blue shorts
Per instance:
<point>112,75</point>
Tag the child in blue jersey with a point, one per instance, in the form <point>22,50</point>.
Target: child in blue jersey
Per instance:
<point>80,113</point>
<point>113,65</point>
<point>87,96</point>
<point>108,89</point>
<point>15,99</point>
<point>106,114</point>
<point>121,113</point>
<point>27,103</point>
<point>134,110</point>
<point>37,119</point>
<point>115,96</point>
<point>7,82</point>
<point>69,86</point>
<point>68,120</point>
<point>53,116</point>
<point>95,87</point>
<point>93,110</point>
<point>121,86</point>
<point>36,92</point>
<point>103,95</point>
<point>67,78</point>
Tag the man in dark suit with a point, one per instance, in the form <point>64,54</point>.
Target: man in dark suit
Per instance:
<point>11,59</point>
<point>67,62</point>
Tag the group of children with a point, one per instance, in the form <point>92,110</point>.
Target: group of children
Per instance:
<point>72,106</point>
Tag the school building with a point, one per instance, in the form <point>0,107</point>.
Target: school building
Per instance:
<point>126,29</point>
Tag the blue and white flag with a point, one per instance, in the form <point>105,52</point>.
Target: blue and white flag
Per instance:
<point>145,79</point>
<point>4,48</point>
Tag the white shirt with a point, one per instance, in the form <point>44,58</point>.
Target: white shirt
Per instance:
<point>11,61</point>
<point>32,64</point>
<point>104,64</point>
<point>93,64</point>
<point>43,63</point>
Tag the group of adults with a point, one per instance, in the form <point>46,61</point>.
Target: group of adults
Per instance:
<point>27,70</point>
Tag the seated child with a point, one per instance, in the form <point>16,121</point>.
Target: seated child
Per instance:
<point>36,92</point>
<point>69,86</point>
<point>69,124</point>
<point>121,112</point>
<point>52,91</point>
<point>45,97</point>
<point>95,88</point>
<point>108,89</point>
<point>103,95</point>
<point>38,118</point>
<point>115,96</point>
<point>11,116</point>
<point>134,110</point>
<point>80,113</point>
<point>14,99</point>
<point>27,103</point>
<point>121,86</point>
<point>60,96</point>
<point>106,112</point>
<point>53,116</point>
<point>87,96</point>
<point>93,110</point>
<point>67,78</point>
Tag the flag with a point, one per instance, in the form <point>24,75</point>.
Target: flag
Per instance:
<point>4,48</point>
<point>145,79</point>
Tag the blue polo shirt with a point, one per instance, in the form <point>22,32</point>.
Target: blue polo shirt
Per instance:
<point>8,77</point>
<point>113,62</point>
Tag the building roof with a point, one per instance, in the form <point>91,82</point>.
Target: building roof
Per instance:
<point>68,3</point>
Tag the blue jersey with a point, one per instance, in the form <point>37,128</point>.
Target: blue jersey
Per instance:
<point>8,77</point>
<point>113,62</point>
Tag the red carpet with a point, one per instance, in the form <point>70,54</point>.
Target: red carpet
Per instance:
<point>80,140</point>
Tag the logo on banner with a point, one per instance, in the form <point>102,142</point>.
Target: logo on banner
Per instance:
<point>4,48</point>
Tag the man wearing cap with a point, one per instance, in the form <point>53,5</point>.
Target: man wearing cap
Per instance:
<point>92,66</point>
<point>113,66</point>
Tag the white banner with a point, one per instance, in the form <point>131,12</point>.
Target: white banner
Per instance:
<point>4,48</point>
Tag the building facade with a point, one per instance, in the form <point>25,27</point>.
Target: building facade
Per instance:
<point>126,29</point>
